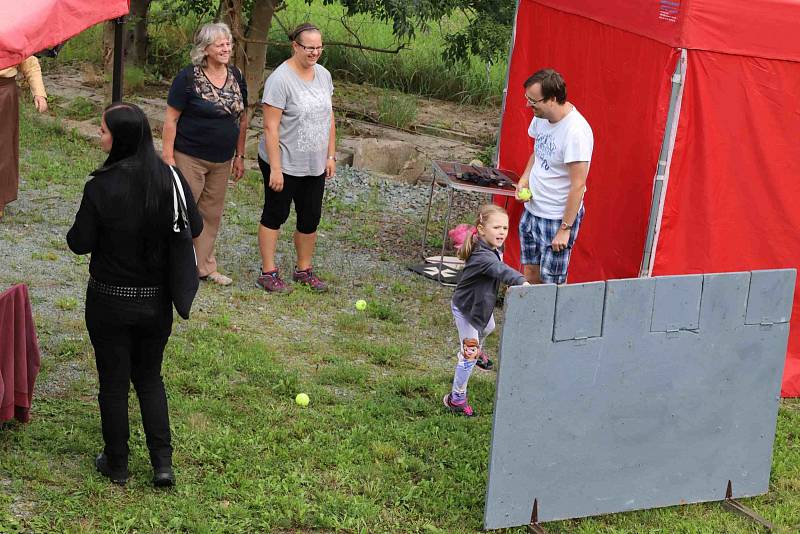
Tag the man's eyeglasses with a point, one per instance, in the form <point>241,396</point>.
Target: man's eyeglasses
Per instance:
<point>532,101</point>
<point>310,49</point>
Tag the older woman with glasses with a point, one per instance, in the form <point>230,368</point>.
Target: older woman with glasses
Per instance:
<point>204,133</point>
<point>297,153</point>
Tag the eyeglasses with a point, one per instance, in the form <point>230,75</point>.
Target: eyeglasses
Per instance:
<point>310,49</point>
<point>532,101</point>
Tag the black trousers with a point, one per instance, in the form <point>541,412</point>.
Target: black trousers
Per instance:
<point>129,336</point>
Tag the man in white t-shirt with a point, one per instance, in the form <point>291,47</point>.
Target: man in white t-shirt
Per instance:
<point>556,176</point>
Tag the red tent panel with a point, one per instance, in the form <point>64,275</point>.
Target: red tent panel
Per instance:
<point>766,28</point>
<point>32,25</point>
<point>608,72</point>
<point>733,198</point>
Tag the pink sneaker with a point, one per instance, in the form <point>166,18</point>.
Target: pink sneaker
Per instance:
<point>273,283</point>
<point>308,278</point>
<point>461,408</point>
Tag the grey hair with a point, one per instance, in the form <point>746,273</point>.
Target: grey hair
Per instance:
<point>205,36</point>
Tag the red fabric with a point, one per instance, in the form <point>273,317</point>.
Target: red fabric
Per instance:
<point>30,26</point>
<point>733,192</point>
<point>607,71</point>
<point>19,354</point>
<point>765,28</point>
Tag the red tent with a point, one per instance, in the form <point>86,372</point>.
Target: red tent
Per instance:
<point>29,26</point>
<point>695,107</point>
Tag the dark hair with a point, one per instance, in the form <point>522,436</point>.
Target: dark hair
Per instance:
<point>552,83</point>
<point>304,27</point>
<point>132,153</point>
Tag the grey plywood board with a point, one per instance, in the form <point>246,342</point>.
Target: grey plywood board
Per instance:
<point>677,303</point>
<point>635,418</point>
<point>767,302</point>
<point>579,311</point>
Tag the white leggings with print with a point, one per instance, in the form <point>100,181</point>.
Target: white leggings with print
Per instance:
<point>467,355</point>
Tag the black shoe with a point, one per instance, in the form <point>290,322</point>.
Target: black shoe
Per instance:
<point>485,363</point>
<point>117,477</point>
<point>163,477</point>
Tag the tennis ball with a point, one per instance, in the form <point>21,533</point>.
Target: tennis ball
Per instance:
<point>361,304</point>
<point>524,194</point>
<point>302,399</point>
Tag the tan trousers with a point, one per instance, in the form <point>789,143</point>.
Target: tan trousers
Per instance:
<point>208,182</point>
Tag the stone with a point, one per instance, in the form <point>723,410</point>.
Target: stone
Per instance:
<point>397,159</point>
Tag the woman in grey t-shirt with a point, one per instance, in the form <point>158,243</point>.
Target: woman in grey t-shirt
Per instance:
<point>296,155</point>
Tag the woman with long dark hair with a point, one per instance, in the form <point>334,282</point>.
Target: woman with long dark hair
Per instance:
<point>124,221</point>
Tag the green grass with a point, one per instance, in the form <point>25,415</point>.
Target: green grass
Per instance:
<point>418,69</point>
<point>396,110</point>
<point>373,452</point>
<point>81,108</point>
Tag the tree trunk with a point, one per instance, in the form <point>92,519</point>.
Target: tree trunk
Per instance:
<point>256,53</point>
<point>250,57</point>
<point>137,39</point>
<point>108,59</point>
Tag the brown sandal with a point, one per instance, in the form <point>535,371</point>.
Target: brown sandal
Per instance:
<point>217,278</point>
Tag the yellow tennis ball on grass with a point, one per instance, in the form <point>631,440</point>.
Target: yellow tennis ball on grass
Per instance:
<point>302,399</point>
<point>361,304</point>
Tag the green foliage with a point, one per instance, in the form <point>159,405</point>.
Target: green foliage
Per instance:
<point>487,154</point>
<point>81,108</point>
<point>418,68</point>
<point>86,46</point>
<point>134,78</point>
<point>171,29</point>
<point>397,110</point>
<point>486,35</point>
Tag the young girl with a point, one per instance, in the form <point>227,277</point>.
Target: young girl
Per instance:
<point>475,296</point>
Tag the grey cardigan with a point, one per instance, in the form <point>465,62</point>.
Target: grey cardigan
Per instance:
<point>476,292</point>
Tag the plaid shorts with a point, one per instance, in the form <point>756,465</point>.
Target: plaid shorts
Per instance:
<point>536,237</point>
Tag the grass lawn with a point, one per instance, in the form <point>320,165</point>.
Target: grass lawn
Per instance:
<point>373,452</point>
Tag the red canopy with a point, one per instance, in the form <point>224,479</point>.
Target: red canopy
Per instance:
<point>732,199</point>
<point>28,26</point>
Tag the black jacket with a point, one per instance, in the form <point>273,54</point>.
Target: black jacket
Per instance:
<point>476,292</point>
<point>111,225</point>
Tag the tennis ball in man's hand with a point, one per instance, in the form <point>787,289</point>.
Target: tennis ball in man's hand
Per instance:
<point>524,194</point>
<point>302,399</point>
<point>361,304</point>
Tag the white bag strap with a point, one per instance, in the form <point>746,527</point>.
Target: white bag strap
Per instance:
<point>177,189</point>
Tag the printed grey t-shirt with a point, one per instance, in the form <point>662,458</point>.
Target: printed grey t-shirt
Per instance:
<point>306,121</point>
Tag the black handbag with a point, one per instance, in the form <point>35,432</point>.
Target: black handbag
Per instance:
<point>183,275</point>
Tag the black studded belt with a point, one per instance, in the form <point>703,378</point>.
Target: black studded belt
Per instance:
<point>130,292</point>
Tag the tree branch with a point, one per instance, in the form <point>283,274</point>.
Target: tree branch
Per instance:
<point>271,42</point>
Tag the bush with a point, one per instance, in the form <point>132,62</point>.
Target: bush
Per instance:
<point>134,78</point>
<point>397,110</point>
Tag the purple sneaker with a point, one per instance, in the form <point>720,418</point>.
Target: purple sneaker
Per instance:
<point>272,282</point>
<point>460,408</point>
<point>308,278</point>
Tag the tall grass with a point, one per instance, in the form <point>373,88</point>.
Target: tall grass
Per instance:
<point>416,69</point>
<point>397,110</point>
